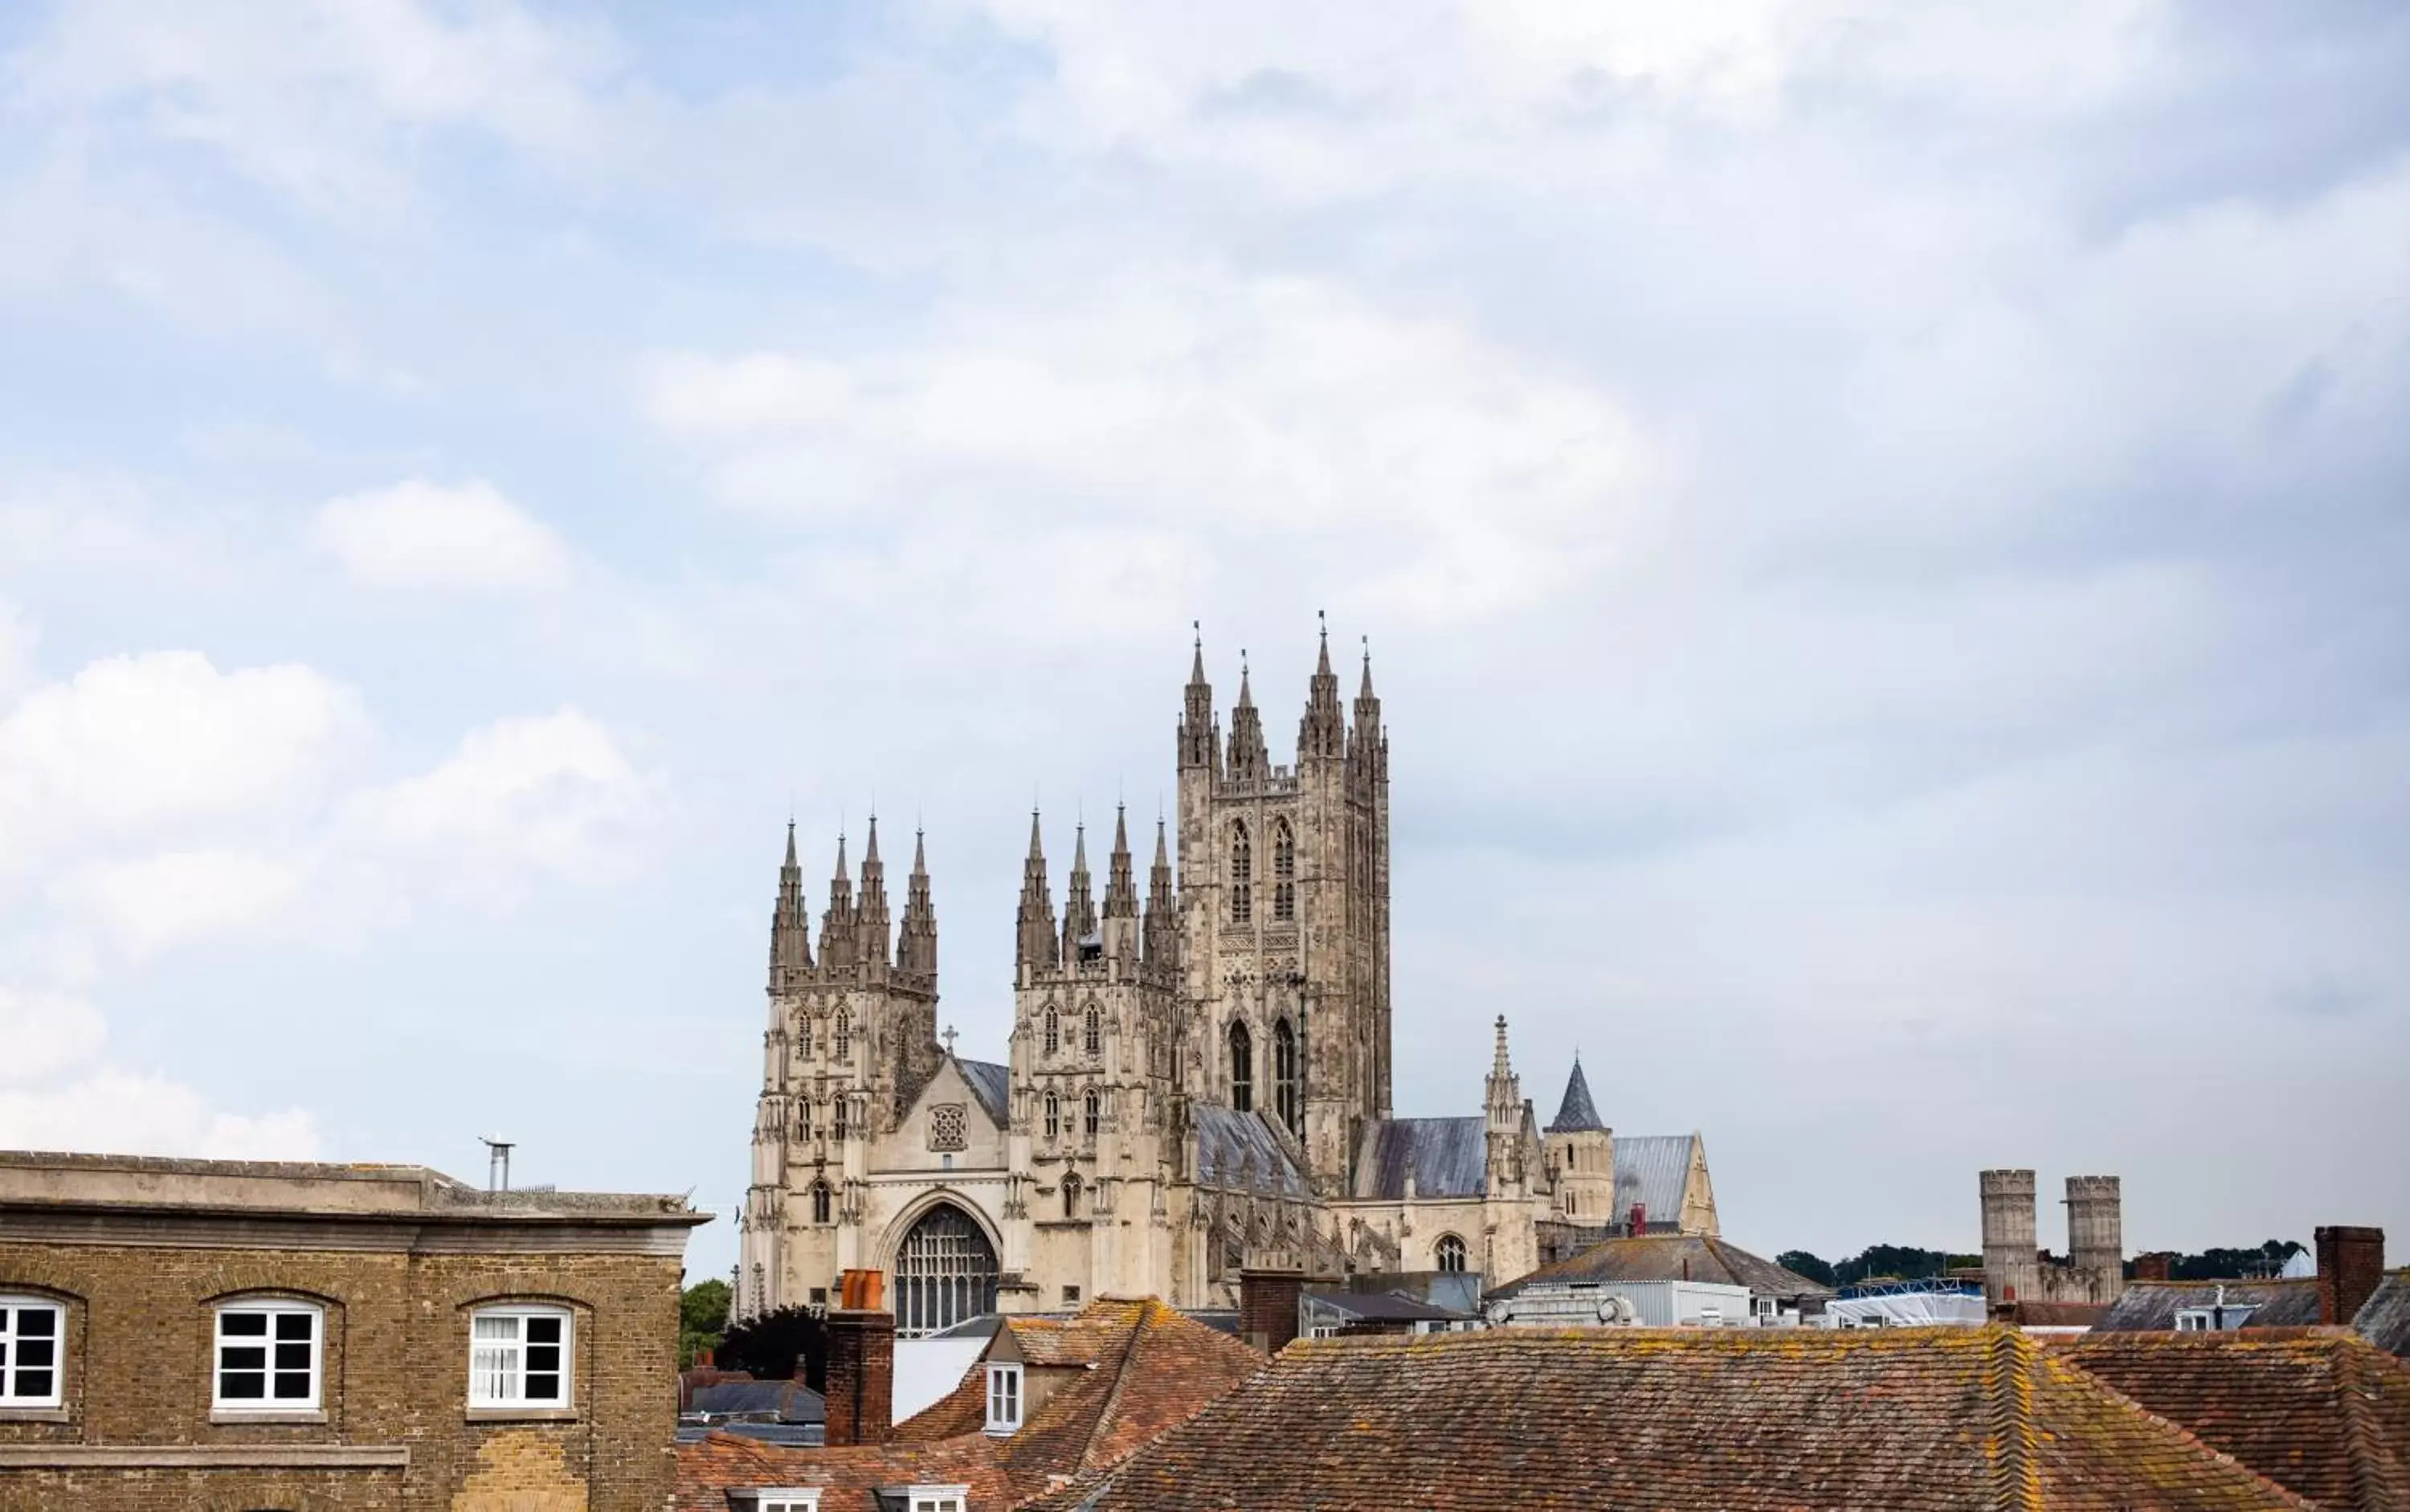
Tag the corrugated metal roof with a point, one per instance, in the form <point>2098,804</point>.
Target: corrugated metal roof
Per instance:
<point>1448,1157</point>
<point>1576,1111</point>
<point>2384,1319</point>
<point>1653,1170</point>
<point>1234,1149</point>
<point>990,1083</point>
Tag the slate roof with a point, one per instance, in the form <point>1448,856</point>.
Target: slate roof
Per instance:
<point>1384,1306</point>
<point>2151,1306</point>
<point>785,1401</point>
<point>1576,1111</point>
<point>2384,1319</point>
<point>990,1084</point>
<point>1672,1258</point>
<point>1142,1368</point>
<point>1449,1156</point>
<point>2324,1414</point>
<point>1225,1140</point>
<point>1734,1420</point>
<point>1653,1170</point>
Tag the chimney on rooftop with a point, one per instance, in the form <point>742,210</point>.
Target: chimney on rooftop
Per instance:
<point>861,1362</point>
<point>2351,1264</point>
<point>2153,1267</point>
<point>1268,1296</point>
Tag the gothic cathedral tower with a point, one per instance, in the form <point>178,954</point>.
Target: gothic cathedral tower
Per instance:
<point>1284,905</point>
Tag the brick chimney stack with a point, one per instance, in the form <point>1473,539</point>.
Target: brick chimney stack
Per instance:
<point>1267,1302</point>
<point>861,1362</point>
<point>2351,1265</point>
<point>2151,1267</point>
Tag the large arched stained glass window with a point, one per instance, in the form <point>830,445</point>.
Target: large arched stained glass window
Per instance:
<point>1242,1068</point>
<point>945,1273</point>
<point>1285,1101</point>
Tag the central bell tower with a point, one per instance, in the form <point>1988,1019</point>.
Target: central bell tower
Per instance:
<point>1284,913</point>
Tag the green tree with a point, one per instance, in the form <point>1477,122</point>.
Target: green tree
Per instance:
<point>789,1345</point>
<point>703,1318</point>
<point>1800,1262</point>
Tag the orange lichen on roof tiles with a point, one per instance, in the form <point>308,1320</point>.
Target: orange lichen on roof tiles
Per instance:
<point>1736,1421</point>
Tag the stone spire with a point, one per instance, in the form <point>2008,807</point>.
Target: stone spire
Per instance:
<point>1322,733</point>
<point>1038,948</point>
<point>1198,738</point>
<point>791,922</point>
<point>1576,1113</point>
<point>1364,739</point>
<point>1248,761</point>
<point>870,912</point>
<point>1162,908</point>
<point>837,925</point>
<point>915,945</point>
<point>1505,1117</point>
<point>1121,885</point>
<point>1079,904</point>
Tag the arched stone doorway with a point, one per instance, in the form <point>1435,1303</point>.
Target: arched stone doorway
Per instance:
<point>945,1273</point>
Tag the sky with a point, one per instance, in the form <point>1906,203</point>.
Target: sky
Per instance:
<point>1883,532</point>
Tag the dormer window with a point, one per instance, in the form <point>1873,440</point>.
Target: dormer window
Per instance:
<point>1004,1398</point>
<point>786,1499</point>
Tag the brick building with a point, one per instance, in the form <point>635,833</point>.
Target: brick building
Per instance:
<point>251,1335</point>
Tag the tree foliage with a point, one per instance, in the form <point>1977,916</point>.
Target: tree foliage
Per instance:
<point>791,1344</point>
<point>1876,1263</point>
<point>1803,1263</point>
<point>703,1318</point>
<point>2218,1264</point>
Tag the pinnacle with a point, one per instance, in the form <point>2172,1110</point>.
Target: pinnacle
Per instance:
<point>1364,693</point>
<point>1079,850</point>
<point>1196,667</point>
<point>870,847</point>
<point>1121,831</point>
<point>1161,856</point>
<point>840,857</point>
<point>1322,669</point>
<point>1036,844</point>
<point>1246,697</point>
<point>790,844</point>
<point>919,855</point>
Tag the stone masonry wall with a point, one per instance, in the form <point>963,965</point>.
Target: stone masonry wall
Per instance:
<point>395,1374</point>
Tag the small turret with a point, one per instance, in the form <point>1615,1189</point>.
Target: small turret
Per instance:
<point>870,912</point>
<point>1322,733</point>
<point>1198,738</point>
<point>1365,745</point>
<point>1161,909</point>
<point>1248,762</point>
<point>916,944</point>
<point>1503,1111</point>
<point>1079,904</point>
<point>791,923</point>
<point>837,925</point>
<point>1037,948</point>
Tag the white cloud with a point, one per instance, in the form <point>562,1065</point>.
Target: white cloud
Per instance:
<point>424,535</point>
<point>549,796</point>
<point>45,1034</point>
<point>144,745</point>
<point>153,903</point>
<point>1458,478</point>
<point>132,1113</point>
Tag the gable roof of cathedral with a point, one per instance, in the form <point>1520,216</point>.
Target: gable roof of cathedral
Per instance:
<point>1447,1156</point>
<point>1653,1171</point>
<point>990,1082</point>
<point>1937,1420</point>
<point>1576,1113</point>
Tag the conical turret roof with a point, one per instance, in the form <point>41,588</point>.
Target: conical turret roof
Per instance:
<point>1576,1113</point>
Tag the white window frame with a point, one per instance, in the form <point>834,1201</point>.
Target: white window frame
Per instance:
<point>2192,1320</point>
<point>1005,1404</point>
<point>937,1498</point>
<point>787,1499</point>
<point>13,1307</point>
<point>480,1397</point>
<point>268,1405</point>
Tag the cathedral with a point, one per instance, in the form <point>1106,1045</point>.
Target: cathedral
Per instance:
<point>1199,1073</point>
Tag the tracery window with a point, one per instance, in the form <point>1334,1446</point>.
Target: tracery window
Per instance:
<point>1054,1031</point>
<point>841,1126</point>
<point>1091,1112</point>
<point>843,1033</point>
<point>945,1273</point>
<point>1053,1115</point>
<point>1284,872</point>
<point>1449,1252</point>
<point>1070,1194</point>
<point>1092,1040</point>
<point>1242,1068</point>
<point>1243,874</point>
<point>820,1202</point>
<point>804,1035</point>
<point>1285,1098</point>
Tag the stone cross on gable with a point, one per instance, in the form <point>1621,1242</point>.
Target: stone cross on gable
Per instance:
<point>948,1038</point>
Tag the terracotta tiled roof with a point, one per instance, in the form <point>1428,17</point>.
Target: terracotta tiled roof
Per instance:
<point>2325,1414</point>
<point>1734,1420</point>
<point>1142,1368</point>
<point>1672,1258</point>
